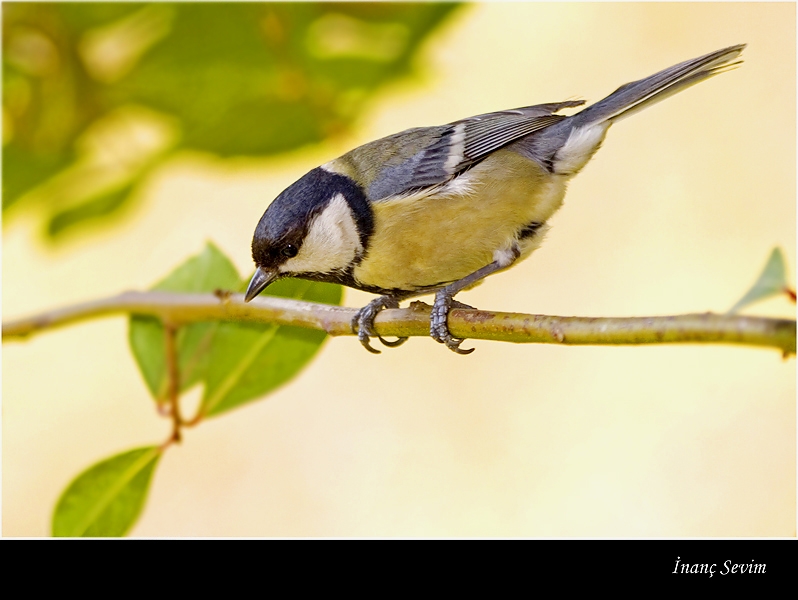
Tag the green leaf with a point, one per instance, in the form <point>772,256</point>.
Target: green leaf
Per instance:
<point>248,361</point>
<point>106,499</point>
<point>91,210</point>
<point>206,272</point>
<point>24,170</point>
<point>772,281</point>
<point>270,77</point>
<point>47,100</point>
<point>237,362</point>
<point>236,78</point>
<point>81,17</point>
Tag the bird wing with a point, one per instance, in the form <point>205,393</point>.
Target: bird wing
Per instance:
<point>487,133</point>
<point>455,147</point>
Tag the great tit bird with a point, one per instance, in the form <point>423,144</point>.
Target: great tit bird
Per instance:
<point>437,209</point>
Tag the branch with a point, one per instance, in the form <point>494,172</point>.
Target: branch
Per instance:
<point>179,309</point>
<point>173,377</point>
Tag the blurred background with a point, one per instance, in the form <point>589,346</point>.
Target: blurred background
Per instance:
<point>134,133</point>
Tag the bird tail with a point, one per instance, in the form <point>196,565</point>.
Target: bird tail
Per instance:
<point>633,97</point>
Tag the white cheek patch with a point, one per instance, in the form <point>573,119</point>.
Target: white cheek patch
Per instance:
<point>582,143</point>
<point>331,244</point>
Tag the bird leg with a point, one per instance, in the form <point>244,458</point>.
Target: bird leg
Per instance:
<point>444,302</point>
<point>363,323</point>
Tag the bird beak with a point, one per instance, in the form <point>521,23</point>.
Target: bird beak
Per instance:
<point>259,281</point>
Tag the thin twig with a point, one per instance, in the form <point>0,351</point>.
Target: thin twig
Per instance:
<point>414,321</point>
<point>173,378</point>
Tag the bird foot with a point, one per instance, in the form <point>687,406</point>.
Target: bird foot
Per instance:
<point>363,323</point>
<point>438,328</point>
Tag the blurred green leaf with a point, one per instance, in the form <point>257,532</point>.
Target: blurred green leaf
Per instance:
<point>206,272</point>
<point>48,98</point>
<point>106,499</point>
<point>22,170</point>
<point>248,361</point>
<point>104,205</point>
<point>772,281</point>
<point>82,17</point>
<point>237,78</point>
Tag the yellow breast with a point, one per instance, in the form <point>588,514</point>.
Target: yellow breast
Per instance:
<point>429,239</point>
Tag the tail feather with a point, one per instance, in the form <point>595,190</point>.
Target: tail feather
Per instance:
<point>565,147</point>
<point>634,97</point>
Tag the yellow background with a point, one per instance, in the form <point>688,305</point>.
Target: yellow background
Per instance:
<point>677,213</point>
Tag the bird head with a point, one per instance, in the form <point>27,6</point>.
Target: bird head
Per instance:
<point>318,226</point>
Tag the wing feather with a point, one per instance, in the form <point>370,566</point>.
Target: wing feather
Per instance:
<point>448,150</point>
<point>464,143</point>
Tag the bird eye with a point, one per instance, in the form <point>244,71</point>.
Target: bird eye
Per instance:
<point>289,251</point>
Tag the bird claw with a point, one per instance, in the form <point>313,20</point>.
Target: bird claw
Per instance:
<point>438,328</point>
<point>394,344</point>
<point>363,323</point>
